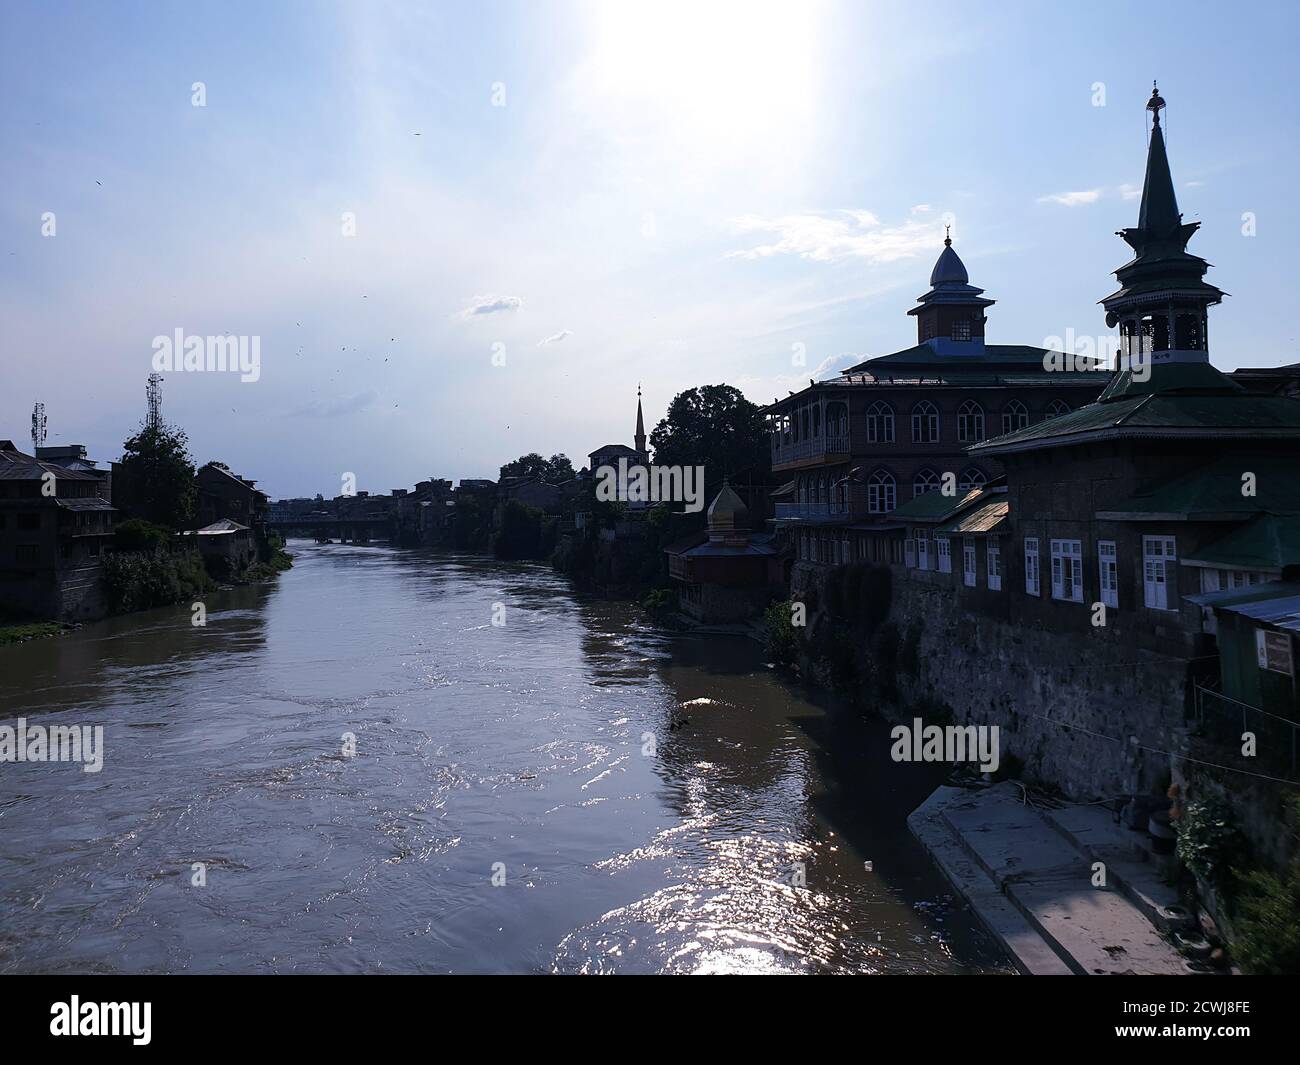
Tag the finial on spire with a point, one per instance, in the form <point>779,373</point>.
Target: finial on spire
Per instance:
<point>1156,104</point>
<point>947,236</point>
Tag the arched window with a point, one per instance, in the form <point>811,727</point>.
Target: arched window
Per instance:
<point>882,492</point>
<point>1057,407</point>
<point>925,423</point>
<point>1015,415</point>
<point>817,421</point>
<point>880,423</point>
<point>971,477</point>
<point>970,422</point>
<point>926,480</point>
<point>837,420</point>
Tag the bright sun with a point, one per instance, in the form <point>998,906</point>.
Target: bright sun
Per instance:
<point>732,71</point>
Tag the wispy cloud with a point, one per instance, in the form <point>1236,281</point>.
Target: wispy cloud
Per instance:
<point>554,338</point>
<point>482,305</point>
<point>832,236</point>
<point>1130,192</point>
<point>336,408</point>
<point>1072,199</point>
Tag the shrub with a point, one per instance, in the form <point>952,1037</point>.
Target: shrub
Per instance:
<point>139,535</point>
<point>141,581</point>
<point>1209,842</point>
<point>1268,921</point>
<point>779,635</point>
<point>660,604</point>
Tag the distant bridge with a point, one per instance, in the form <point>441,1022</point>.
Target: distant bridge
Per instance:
<point>344,530</point>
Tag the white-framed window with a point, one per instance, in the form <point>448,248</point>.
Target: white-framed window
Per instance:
<point>926,480</point>
<point>925,423</point>
<point>968,563</point>
<point>971,477</point>
<point>943,548</point>
<point>1032,586</point>
<point>961,329</point>
<point>1015,415</point>
<point>880,423</point>
<point>1210,580</point>
<point>970,422</point>
<point>993,565</point>
<point>922,551</point>
<point>882,492</point>
<point>909,553</point>
<point>1108,572</point>
<point>1067,570</point>
<point>1159,571</point>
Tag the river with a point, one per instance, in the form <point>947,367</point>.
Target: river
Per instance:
<point>566,791</point>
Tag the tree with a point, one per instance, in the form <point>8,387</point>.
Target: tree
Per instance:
<point>716,427</point>
<point>553,470</point>
<point>157,481</point>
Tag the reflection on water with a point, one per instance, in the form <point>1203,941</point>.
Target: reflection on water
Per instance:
<point>650,800</point>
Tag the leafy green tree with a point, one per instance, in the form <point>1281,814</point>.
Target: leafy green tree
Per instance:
<point>158,477</point>
<point>553,470</point>
<point>716,427</point>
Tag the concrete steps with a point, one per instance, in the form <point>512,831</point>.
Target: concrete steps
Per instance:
<point>1030,879</point>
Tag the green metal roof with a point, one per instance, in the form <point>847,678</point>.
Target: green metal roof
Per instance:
<point>1269,541</point>
<point>1191,414</point>
<point>935,506</point>
<point>1214,492</point>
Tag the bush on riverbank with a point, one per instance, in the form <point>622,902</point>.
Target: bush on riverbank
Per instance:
<point>780,636</point>
<point>19,632</point>
<point>525,532</point>
<point>138,581</point>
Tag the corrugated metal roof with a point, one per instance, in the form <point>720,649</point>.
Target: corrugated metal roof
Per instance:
<point>983,518</point>
<point>1277,603</point>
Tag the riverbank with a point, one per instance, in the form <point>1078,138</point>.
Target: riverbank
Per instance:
<point>22,632</point>
<point>1062,887</point>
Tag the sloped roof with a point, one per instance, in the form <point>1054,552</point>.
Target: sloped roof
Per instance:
<point>1214,492</point>
<point>935,506</point>
<point>1276,604</point>
<point>1237,414</point>
<point>224,527</point>
<point>986,517</point>
<point>1268,541</point>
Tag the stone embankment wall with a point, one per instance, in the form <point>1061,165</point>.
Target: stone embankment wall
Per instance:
<point>1095,722</point>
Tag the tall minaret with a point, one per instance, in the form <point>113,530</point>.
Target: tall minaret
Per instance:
<point>1163,298</point>
<point>639,442</point>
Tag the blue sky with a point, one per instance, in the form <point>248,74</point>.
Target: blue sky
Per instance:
<point>675,194</point>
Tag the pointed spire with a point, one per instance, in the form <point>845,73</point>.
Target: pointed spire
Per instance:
<point>1158,215</point>
<point>639,441</point>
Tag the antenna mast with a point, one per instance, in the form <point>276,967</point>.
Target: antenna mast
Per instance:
<point>154,393</point>
<point>39,427</point>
